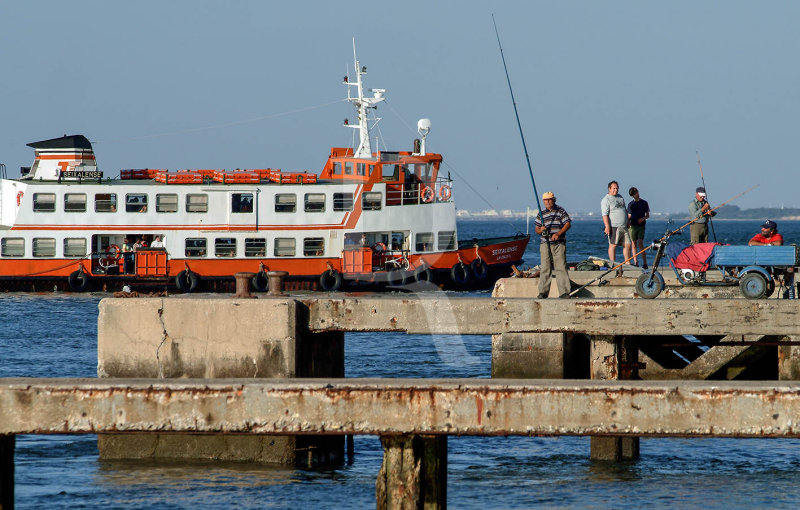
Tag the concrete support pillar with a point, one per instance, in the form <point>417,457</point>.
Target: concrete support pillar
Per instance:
<point>613,357</point>
<point>216,338</point>
<point>528,355</point>
<point>413,474</point>
<point>7,472</point>
<point>789,360</point>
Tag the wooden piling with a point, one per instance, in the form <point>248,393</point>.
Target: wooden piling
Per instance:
<point>413,474</point>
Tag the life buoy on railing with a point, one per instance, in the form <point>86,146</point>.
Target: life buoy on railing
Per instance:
<point>445,193</point>
<point>427,195</point>
<point>379,247</point>
<point>19,197</point>
<point>112,256</point>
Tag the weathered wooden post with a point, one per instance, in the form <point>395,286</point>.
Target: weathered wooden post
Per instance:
<point>413,474</point>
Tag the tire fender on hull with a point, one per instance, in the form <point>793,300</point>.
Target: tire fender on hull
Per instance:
<point>479,269</point>
<point>187,281</point>
<point>330,280</point>
<point>460,274</point>
<point>78,281</point>
<point>260,281</point>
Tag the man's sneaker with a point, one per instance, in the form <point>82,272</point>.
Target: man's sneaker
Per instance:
<point>541,296</point>
<point>644,266</point>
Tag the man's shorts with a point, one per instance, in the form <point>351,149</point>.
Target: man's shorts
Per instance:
<point>637,233</point>
<point>619,235</point>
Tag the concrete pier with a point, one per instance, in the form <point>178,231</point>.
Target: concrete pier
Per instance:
<point>215,338</point>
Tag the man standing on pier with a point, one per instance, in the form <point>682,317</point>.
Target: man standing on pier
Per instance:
<point>552,225</point>
<point>700,210</point>
<point>615,219</point>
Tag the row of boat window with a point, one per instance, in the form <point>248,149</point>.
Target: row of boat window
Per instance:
<point>198,202</point>
<point>75,247</point>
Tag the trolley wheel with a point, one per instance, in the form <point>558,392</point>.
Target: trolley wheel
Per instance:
<point>648,287</point>
<point>753,286</point>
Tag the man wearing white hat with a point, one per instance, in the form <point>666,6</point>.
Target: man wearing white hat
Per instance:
<point>700,210</point>
<point>552,224</point>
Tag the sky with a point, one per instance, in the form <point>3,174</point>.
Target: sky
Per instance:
<point>623,90</point>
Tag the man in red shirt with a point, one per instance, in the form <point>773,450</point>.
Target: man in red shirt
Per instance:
<point>769,235</point>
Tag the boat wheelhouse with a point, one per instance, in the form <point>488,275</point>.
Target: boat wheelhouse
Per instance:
<point>366,217</point>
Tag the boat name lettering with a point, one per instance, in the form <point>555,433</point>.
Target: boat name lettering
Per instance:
<point>83,174</point>
<point>504,250</point>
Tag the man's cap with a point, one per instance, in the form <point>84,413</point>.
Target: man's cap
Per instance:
<point>701,191</point>
<point>769,224</point>
<point>548,194</point>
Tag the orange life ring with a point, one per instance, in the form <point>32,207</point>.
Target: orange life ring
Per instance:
<point>19,197</point>
<point>445,193</point>
<point>427,195</point>
<point>379,247</point>
<point>112,253</point>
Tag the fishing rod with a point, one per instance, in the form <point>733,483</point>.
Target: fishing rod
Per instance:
<point>524,145</point>
<point>663,238</point>
<point>710,220</point>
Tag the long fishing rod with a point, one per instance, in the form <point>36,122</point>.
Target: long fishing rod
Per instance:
<point>668,234</point>
<point>710,220</point>
<point>524,145</point>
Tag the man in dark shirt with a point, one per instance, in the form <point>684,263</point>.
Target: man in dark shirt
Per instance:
<point>638,212</point>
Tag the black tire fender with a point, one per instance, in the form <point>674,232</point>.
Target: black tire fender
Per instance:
<point>78,281</point>
<point>260,281</point>
<point>460,274</point>
<point>187,281</point>
<point>480,269</point>
<point>330,280</point>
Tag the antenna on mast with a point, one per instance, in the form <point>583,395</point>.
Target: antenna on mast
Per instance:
<point>362,105</point>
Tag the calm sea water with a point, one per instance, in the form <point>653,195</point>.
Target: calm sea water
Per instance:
<point>54,335</point>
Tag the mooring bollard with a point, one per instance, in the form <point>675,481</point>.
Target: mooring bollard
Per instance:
<point>276,282</point>
<point>243,285</point>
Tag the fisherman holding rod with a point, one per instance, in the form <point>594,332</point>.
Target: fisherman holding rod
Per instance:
<point>700,211</point>
<point>552,224</point>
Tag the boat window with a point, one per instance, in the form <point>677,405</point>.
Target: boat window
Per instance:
<point>424,241</point>
<point>315,202</point>
<point>196,247</point>
<point>390,172</point>
<point>44,202</point>
<point>361,169</point>
<point>197,202</point>
<point>423,171</point>
<point>75,202</point>
<point>342,201</point>
<point>74,247</point>
<point>255,247</point>
<point>284,247</point>
<point>241,202</point>
<point>447,240</point>
<point>398,241</point>
<point>348,168</point>
<point>313,246</point>
<point>135,202</point>
<point>225,247</point>
<point>371,200</point>
<point>44,247</point>
<point>337,168</point>
<point>105,202</point>
<point>12,247</point>
<point>285,202</point>
<point>166,202</point>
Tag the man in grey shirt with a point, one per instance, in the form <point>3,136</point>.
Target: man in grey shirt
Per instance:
<point>700,211</point>
<point>615,219</point>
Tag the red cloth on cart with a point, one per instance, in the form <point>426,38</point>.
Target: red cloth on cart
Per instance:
<point>696,257</point>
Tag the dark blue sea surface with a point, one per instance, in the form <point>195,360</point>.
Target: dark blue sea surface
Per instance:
<point>55,335</point>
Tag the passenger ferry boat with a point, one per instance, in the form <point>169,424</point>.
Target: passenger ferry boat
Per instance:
<point>385,217</point>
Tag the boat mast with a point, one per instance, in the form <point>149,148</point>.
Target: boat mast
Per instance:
<point>362,104</point>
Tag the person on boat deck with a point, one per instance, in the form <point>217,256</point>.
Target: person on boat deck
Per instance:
<point>157,242</point>
<point>127,256</point>
<point>769,235</point>
<point>700,209</point>
<point>615,220</point>
<point>638,213</point>
<point>552,224</point>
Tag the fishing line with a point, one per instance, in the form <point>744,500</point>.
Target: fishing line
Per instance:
<point>217,126</point>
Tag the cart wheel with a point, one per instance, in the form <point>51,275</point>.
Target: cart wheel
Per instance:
<point>754,286</point>
<point>770,288</point>
<point>649,288</point>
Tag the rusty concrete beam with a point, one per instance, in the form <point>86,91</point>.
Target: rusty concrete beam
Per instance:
<point>401,406</point>
<point>482,316</point>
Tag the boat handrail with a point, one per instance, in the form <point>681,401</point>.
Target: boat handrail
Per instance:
<point>3,171</point>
